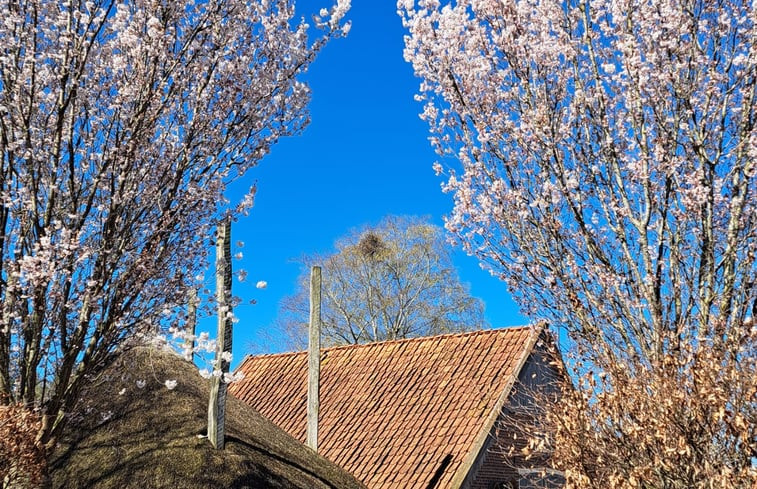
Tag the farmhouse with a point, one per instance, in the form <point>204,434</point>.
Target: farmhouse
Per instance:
<point>131,430</point>
<point>417,413</point>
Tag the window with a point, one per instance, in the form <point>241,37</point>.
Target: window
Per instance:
<point>540,478</point>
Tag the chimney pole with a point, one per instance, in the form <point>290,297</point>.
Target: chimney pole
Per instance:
<point>314,358</point>
<point>217,404</point>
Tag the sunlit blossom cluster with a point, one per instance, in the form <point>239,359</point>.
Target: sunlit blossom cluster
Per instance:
<point>612,141</point>
<point>121,123</point>
<point>601,156</point>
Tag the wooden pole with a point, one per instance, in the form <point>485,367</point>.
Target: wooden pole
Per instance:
<point>190,329</point>
<point>314,358</point>
<point>217,404</point>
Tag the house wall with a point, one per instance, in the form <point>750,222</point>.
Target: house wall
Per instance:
<point>496,466</point>
<point>493,471</point>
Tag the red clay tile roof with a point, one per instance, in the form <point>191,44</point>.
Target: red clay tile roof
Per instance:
<point>391,412</point>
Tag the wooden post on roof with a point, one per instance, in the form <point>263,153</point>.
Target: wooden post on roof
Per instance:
<point>217,404</point>
<point>190,328</point>
<point>314,358</point>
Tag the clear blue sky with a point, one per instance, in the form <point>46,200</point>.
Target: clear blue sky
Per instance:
<point>364,155</point>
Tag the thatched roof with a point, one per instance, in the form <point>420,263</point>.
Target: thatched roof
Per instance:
<point>130,434</point>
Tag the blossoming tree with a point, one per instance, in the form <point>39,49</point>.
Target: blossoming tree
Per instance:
<point>121,123</point>
<point>602,160</point>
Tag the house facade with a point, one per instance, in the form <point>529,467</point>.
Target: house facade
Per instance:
<point>499,463</point>
<point>416,413</point>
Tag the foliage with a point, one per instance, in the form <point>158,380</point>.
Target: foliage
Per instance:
<point>682,426</point>
<point>394,280</point>
<point>120,125</point>
<point>22,461</point>
<point>606,171</point>
<point>694,417</point>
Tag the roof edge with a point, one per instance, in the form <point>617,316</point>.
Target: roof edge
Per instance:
<point>478,443</point>
<point>384,342</point>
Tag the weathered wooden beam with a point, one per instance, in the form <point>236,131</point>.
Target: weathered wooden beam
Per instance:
<point>314,358</point>
<point>191,326</point>
<point>217,404</point>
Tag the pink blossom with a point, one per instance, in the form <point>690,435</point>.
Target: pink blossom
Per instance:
<point>601,158</point>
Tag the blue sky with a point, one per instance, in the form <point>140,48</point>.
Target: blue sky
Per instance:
<point>364,155</point>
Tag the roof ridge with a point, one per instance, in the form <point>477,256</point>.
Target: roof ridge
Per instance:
<point>399,340</point>
<point>429,338</point>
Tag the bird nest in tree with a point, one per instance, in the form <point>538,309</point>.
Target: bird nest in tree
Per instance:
<point>371,245</point>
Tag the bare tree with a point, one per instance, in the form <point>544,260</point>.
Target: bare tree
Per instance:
<point>394,280</point>
<point>120,125</point>
<point>602,160</point>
